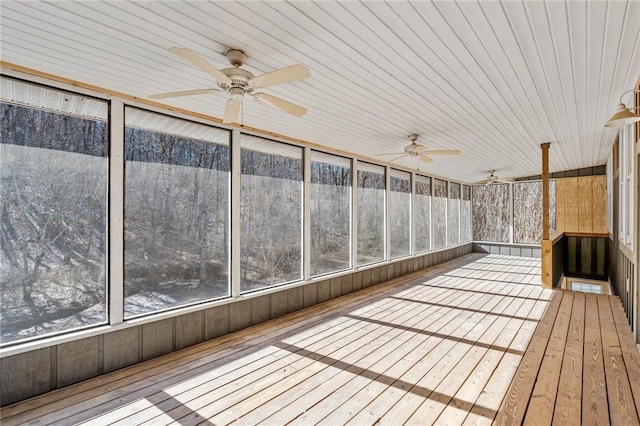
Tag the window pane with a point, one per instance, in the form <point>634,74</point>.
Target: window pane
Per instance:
<point>454,213</point>
<point>439,214</point>
<point>370,213</point>
<point>330,213</point>
<point>53,187</point>
<point>527,211</point>
<point>400,213</point>
<point>176,212</point>
<point>422,220</point>
<point>491,216</point>
<point>271,213</point>
<point>465,214</point>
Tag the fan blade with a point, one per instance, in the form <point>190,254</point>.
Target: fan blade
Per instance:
<point>397,158</point>
<point>231,110</point>
<point>281,104</point>
<point>504,180</point>
<point>425,159</point>
<point>200,63</point>
<point>182,93</point>
<point>441,151</point>
<point>283,75</point>
<point>390,153</point>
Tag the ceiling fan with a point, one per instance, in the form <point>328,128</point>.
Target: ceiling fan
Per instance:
<point>420,151</point>
<point>492,178</point>
<point>239,82</point>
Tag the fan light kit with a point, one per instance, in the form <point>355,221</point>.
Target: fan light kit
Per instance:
<point>624,115</point>
<point>239,82</point>
<point>420,151</point>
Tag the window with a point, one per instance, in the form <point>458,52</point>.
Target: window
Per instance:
<point>330,213</point>
<point>176,212</point>
<point>422,220</point>
<point>400,213</point>
<point>491,213</point>
<point>454,214</point>
<point>465,214</point>
<point>439,216</point>
<point>626,152</point>
<point>270,212</point>
<point>371,205</point>
<point>53,187</point>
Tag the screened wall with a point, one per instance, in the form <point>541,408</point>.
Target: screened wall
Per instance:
<point>330,213</point>
<point>53,191</point>
<point>371,213</point>
<point>191,230</point>
<point>176,212</point>
<point>511,212</point>
<point>270,213</point>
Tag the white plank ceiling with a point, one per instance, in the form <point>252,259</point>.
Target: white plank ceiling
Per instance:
<point>493,79</point>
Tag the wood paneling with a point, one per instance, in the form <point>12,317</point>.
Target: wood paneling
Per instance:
<point>324,291</point>
<point>189,329</point>
<point>561,219</point>
<point>296,298</point>
<point>260,309</point>
<point>121,348</point>
<point>25,375</point>
<point>310,295</point>
<point>280,304</point>
<point>585,204</point>
<point>581,204</point>
<point>599,208</point>
<point>78,360</point>
<point>239,315</point>
<point>586,257</point>
<point>216,322</point>
<point>569,204</point>
<point>157,338</point>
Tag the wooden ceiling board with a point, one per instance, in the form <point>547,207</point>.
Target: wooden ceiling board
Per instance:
<point>493,79</point>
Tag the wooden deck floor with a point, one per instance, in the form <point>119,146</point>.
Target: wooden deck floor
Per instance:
<point>473,341</point>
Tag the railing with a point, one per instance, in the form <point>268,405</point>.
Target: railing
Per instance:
<point>574,254</point>
<point>552,260</point>
<point>624,284</point>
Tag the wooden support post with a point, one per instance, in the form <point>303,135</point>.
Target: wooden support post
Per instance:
<point>545,190</point>
<point>546,246</point>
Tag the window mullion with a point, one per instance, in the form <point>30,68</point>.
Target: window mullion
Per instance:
<point>234,207</point>
<point>116,213</point>
<point>306,220</point>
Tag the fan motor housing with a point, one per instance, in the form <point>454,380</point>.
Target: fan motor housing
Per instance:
<point>239,78</point>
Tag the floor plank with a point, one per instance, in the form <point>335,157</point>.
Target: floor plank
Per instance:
<point>594,388</point>
<point>568,402</point>
<point>515,404</point>
<point>622,410</point>
<point>543,398</point>
<point>630,353</point>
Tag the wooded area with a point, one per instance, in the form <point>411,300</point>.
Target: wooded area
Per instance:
<point>54,202</point>
<point>53,198</point>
